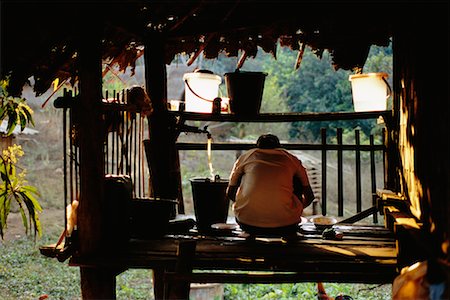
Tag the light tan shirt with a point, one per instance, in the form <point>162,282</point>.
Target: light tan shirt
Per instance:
<point>265,196</point>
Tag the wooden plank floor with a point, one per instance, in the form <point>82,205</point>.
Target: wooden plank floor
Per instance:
<point>366,254</point>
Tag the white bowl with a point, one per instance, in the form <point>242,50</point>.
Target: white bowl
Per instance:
<point>224,226</point>
<point>323,222</point>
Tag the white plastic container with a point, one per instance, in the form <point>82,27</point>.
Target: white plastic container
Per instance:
<point>370,91</point>
<point>200,91</point>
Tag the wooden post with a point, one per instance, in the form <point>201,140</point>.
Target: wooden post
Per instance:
<point>424,127</point>
<point>179,288</point>
<point>162,156</point>
<point>323,133</point>
<point>358,171</point>
<point>161,151</point>
<point>96,283</point>
<point>340,171</point>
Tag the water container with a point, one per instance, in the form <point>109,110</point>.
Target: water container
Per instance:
<point>370,91</point>
<point>210,202</point>
<point>201,88</point>
<point>245,90</point>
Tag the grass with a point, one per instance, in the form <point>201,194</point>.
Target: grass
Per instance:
<point>29,275</point>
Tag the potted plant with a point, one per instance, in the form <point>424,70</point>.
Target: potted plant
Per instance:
<point>13,183</point>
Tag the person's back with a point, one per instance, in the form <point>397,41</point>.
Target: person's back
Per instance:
<point>262,185</point>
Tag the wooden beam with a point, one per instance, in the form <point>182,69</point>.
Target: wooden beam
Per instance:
<point>96,283</point>
<point>283,117</point>
<point>88,116</point>
<point>180,287</point>
<point>160,147</point>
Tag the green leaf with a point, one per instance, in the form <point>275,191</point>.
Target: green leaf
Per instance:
<point>12,122</point>
<point>28,112</point>
<point>23,120</point>
<point>27,196</point>
<point>24,219</point>
<point>2,113</point>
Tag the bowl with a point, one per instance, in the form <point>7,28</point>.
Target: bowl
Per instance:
<point>323,222</point>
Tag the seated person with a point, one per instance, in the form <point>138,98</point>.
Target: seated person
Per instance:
<point>270,189</point>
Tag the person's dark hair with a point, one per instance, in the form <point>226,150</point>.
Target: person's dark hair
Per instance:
<point>268,141</point>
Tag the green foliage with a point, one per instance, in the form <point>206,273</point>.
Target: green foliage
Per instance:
<point>14,188</point>
<point>15,109</point>
<point>306,291</point>
<point>29,275</point>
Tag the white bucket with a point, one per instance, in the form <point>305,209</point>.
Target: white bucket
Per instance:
<point>200,91</point>
<point>370,91</point>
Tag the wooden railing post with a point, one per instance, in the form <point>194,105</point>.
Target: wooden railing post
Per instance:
<point>358,171</point>
<point>323,133</point>
<point>340,173</point>
<point>373,177</point>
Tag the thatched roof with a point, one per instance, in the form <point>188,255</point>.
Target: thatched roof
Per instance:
<point>41,38</point>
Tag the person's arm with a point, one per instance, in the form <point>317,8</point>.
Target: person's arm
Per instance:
<point>308,196</point>
<point>235,181</point>
<point>303,192</point>
<point>231,192</point>
<point>302,188</point>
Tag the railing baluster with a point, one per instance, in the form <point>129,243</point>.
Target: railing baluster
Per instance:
<point>135,150</point>
<point>117,122</point>
<point>76,160</point>
<point>139,145</point>
<point>358,171</point>
<point>65,135</point>
<point>373,177</point>
<point>122,135</point>
<point>340,174</point>
<point>323,132</point>
<point>383,132</point>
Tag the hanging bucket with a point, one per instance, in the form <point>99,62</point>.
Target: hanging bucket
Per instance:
<point>201,88</point>
<point>245,90</point>
<point>370,91</point>
<point>210,202</point>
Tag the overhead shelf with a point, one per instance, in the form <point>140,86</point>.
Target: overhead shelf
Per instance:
<point>282,117</point>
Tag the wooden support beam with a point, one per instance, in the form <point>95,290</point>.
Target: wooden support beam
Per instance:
<point>180,287</point>
<point>96,283</point>
<point>88,117</point>
<point>160,148</point>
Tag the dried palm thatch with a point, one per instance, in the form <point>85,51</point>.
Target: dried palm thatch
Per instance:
<point>41,39</point>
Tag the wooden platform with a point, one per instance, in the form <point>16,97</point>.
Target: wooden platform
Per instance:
<point>366,254</point>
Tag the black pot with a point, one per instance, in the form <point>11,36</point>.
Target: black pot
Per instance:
<point>149,217</point>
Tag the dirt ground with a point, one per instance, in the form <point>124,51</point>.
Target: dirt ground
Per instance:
<point>52,222</point>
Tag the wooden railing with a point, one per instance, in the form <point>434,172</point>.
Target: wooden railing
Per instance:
<point>324,147</point>
<point>124,152</point>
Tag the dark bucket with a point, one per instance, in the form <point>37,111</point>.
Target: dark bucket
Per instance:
<point>245,90</point>
<point>149,217</point>
<point>210,202</point>
<point>118,193</point>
